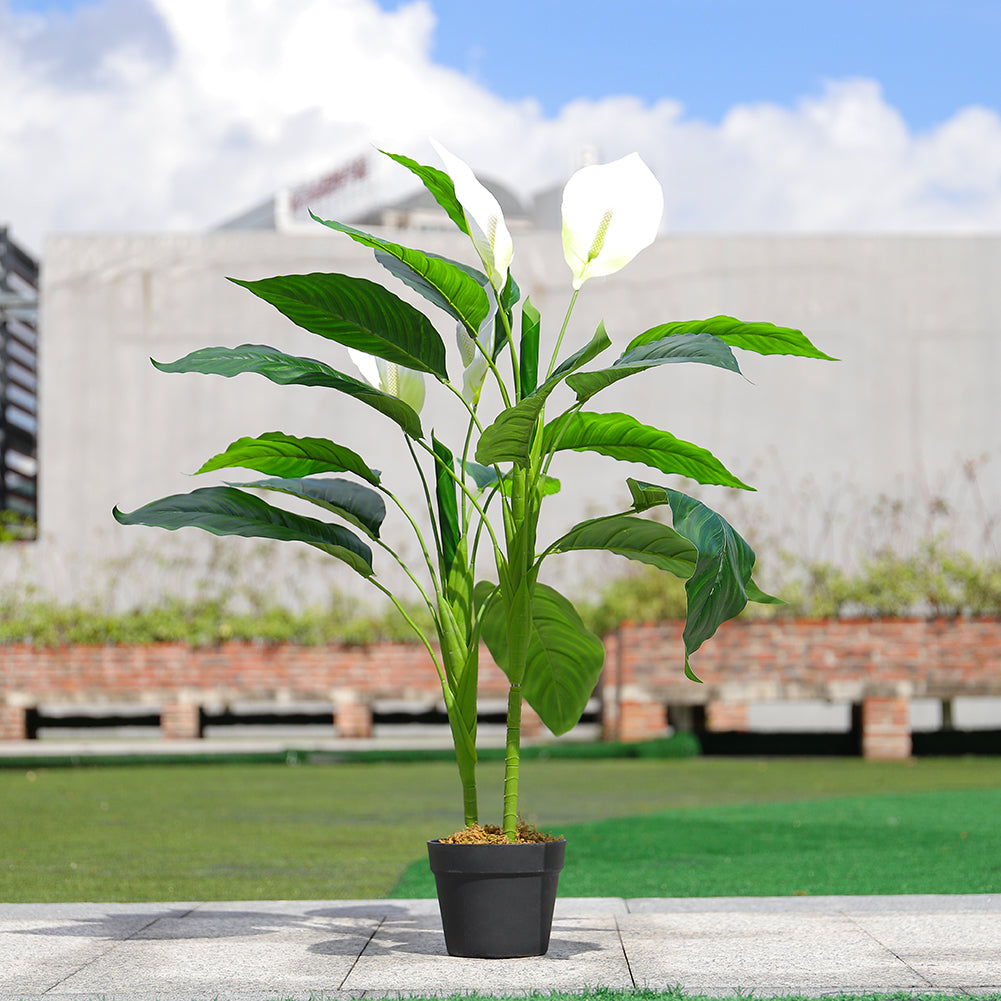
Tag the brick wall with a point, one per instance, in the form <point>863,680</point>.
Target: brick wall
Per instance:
<point>877,664</point>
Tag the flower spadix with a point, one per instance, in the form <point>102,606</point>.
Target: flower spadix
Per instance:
<point>611,211</point>
<point>484,218</point>
<point>403,383</point>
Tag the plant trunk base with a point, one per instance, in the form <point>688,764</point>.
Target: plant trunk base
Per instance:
<point>496,901</point>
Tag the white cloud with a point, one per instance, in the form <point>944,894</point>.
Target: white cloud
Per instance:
<point>157,114</point>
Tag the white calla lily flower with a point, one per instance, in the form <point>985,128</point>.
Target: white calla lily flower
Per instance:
<point>403,383</point>
<point>474,361</point>
<point>473,377</point>
<point>611,212</point>
<point>484,218</point>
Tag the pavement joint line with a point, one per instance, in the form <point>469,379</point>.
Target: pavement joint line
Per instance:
<point>357,960</point>
<point>115,943</point>
<point>903,962</point>
<point>622,946</point>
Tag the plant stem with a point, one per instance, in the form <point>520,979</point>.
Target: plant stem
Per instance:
<point>512,758</point>
<point>517,580</point>
<point>563,330</point>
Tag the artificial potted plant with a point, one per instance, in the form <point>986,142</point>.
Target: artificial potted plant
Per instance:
<point>485,486</point>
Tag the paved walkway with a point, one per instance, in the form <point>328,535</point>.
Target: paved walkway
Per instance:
<point>267,950</point>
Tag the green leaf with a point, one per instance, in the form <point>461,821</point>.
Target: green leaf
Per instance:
<point>764,338</point>
<point>510,294</point>
<point>439,184</point>
<point>482,476</point>
<point>531,324</point>
<point>360,505</point>
<point>647,495</point>
<point>279,454</point>
<point>228,511</point>
<point>448,512</point>
<point>509,437</point>
<point>290,370</point>
<point>625,438</point>
<point>598,343</point>
<point>721,584</point>
<point>689,347</point>
<point>357,313</point>
<point>564,656</point>
<point>755,594</point>
<point>636,539</point>
<point>447,284</point>
<point>486,476</point>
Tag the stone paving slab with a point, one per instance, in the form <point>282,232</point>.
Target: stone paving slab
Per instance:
<point>332,950</point>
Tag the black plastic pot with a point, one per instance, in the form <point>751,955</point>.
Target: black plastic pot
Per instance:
<point>496,901</point>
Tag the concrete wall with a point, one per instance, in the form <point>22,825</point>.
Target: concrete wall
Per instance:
<point>908,412</point>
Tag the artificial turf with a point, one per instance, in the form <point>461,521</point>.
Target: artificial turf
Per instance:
<point>266,831</point>
<point>919,842</point>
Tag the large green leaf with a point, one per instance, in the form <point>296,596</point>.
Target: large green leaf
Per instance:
<point>277,454</point>
<point>439,184</point>
<point>445,283</point>
<point>598,343</point>
<point>228,511</point>
<point>636,539</point>
<point>357,313</point>
<point>764,338</point>
<point>623,437</point>
<point>448,512</point>
<point>291,370</point>
<point>531,324</point>
<point>564,656</point>
<point>358,504</point>
<point>688,347</point>
<point>721,584</point>
<point>509,438</point>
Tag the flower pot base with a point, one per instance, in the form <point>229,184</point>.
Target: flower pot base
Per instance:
<point>496,901</point>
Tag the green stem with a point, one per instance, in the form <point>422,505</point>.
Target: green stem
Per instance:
<point>420,539</point>
<point>403,566</point>
<point>413,625</point>
<point>427,492</point>
<point>517,580</point>
<point>512,758</point>
<point>551,452</point>
<point>466,492</point>
<point>563,330</point>
<point>509,334</point>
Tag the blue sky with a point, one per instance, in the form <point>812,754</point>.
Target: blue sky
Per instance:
<point>930,56</point>
<point>767,116</point>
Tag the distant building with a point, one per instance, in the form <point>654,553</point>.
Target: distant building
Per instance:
<point>372,190</point>
<point>898,440</point>
<point>18,390</point>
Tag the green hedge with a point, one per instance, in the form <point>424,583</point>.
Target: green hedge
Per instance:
<point>932,580</point>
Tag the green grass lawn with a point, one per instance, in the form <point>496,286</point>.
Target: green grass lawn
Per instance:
<point>216,832</point>
<point>940,842</point>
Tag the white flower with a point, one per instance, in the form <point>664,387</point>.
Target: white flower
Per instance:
<point>403,383</point>
<point>611,211</point>
<point>474,361</point>
<point>484,218</point>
